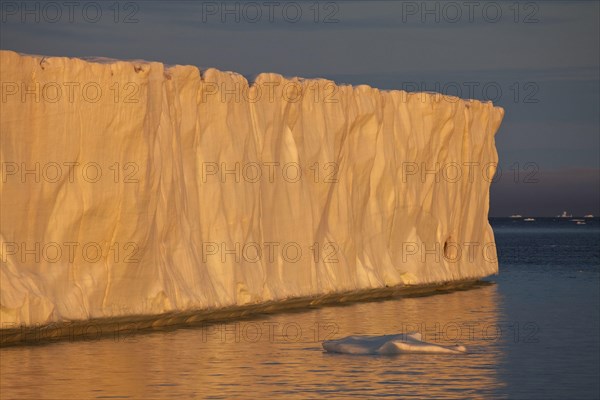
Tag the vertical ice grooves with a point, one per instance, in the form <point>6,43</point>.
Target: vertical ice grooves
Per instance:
<point>173,132</point>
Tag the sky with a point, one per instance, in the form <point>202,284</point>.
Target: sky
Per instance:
<point>537,59</point>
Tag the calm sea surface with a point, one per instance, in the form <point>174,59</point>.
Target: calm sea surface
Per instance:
<point>532,332</point>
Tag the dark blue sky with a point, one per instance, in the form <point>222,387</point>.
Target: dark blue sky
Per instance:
<point>539,60</point>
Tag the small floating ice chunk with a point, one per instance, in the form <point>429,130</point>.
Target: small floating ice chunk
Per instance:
<point>388,344</point>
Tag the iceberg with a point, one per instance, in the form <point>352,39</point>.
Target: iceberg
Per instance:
<point>388,345</point>
<point>132,188</point>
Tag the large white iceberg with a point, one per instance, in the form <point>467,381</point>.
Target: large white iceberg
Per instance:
<point>132,188</point>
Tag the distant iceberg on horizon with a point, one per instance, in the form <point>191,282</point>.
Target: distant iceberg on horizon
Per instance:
<point>131,188</point>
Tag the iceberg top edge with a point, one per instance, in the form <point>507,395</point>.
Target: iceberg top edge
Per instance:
<point>248,81</point>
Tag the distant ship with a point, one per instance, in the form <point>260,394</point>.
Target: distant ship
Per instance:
<point>516,216</point>
<point>580,222</point>
<point>588,216</point>
<point>565,215</point>
<point>529,219</point>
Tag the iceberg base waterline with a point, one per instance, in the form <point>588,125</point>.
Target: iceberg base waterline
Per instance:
<point>133,188</point>
<point>122,328</point>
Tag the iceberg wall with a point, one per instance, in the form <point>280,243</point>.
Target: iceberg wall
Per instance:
<point>134,188</point>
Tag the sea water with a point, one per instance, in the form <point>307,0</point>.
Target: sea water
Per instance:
<point>531,332</point>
